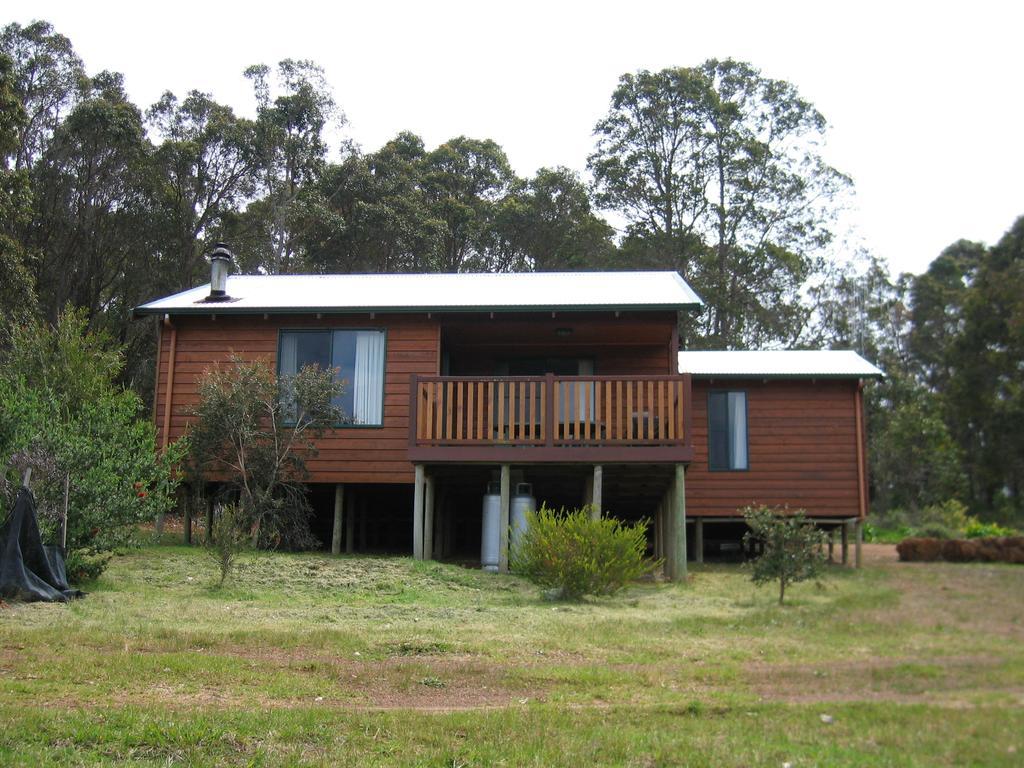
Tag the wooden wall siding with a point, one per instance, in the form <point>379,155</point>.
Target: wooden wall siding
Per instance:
<point>354,455</point>
<point>625,345</point>
<point>802,443</point>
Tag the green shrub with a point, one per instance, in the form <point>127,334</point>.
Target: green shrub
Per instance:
<point>882,534</point>
<point>950,514</point>
<point>63,413</point>
<point>936,531</point>
<point>82,566</point>
<point>793,546</point>
<point>576,555</point>
<point>976,529</point>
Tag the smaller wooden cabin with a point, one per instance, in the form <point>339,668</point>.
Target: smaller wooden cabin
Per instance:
<point>781,428</point>
<point>569,382</point>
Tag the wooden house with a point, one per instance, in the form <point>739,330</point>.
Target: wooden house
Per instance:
<point>571,382</point>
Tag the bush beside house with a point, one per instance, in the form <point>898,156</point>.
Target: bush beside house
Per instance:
<point>63,414</point>
<point>575,554</point>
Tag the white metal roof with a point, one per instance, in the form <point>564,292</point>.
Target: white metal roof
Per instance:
<point>437,292</point>
<point>818,363</point>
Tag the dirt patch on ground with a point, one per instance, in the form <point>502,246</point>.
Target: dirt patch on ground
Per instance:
<point>945,681</point>
<point>426,683</point>
<point>429,682</point>
<point>879,554</point>
<point>971,597</point>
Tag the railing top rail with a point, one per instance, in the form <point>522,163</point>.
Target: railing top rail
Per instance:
<point>540,379</point>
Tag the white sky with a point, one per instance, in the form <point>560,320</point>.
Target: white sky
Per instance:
<point>924,100</point>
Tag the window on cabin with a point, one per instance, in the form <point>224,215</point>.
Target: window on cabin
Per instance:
<point>358,357</point>
<point>727,430</point>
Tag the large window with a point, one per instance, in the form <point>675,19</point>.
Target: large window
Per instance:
<point>727,430</point>
<point>359,358</point>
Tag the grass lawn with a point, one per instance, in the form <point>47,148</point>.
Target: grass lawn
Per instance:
<point>308,659</point>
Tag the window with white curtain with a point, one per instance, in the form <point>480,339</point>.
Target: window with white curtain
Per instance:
<point>358,356</point>
<point>727,430</point>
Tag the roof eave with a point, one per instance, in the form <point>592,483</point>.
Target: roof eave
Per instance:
<point>224,309</point>
<point>787,376</point>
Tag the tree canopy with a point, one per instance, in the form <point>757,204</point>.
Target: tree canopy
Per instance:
<point>715,170</point>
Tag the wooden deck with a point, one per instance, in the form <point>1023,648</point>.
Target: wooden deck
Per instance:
<point>566,419</point>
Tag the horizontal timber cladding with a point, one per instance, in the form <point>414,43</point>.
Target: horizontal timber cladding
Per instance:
<point>347,455</point>
<point>632,343</point>
<point>801,443</point>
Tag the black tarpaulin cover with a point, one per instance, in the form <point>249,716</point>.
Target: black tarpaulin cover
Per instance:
<point>30,570</point>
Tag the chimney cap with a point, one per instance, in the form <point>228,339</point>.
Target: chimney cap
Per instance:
<point>220,265</point>
<point>221,251</point>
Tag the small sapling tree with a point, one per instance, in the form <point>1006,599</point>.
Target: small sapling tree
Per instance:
<point>256,432</point>
<point>792,547</point>
<point>227,540</point>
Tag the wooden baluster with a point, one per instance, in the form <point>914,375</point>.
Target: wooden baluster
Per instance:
<point>556,410</point>
<point>481,396</point>
<point>449,411</point>
<point>662,411</point>
<point>679,408</point>
<point>576,406</point>
<point>597,411</point>
<point>516,405</point>
<point>620,403</point>
<point>542,412</point>
<point>428,411</point>
<point>639,410</point>
<point>438,411</point>
<point>671,403</point>
<point>528,410</point>
<point>630,431</point>
<point>421,391</point>
<point>471,421</point>
<point>490,411</point>
<point>502,388</point>
<point>607,410</point>
<point>459,405</point>
<point>559,421</point>
<point>588,409</point>
<point>652,411</point>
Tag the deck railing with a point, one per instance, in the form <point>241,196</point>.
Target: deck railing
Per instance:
<point>550,411</point>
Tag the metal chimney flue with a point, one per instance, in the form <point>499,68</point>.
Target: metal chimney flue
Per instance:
<point>220,266</point>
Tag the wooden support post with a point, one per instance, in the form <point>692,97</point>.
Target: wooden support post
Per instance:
<point>417,513</point>
<point>503,520</point>
<point>596,491</point>
<point>350,523</point>
<point>858,541</point>
<point>339,507</point>
<point>845,543</point>
<point>679,523</point>
<point>698,540</point>
<point>428,519</point>
<point>831,544</point>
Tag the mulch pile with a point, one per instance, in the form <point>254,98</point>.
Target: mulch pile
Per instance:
<point>989,550</point>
